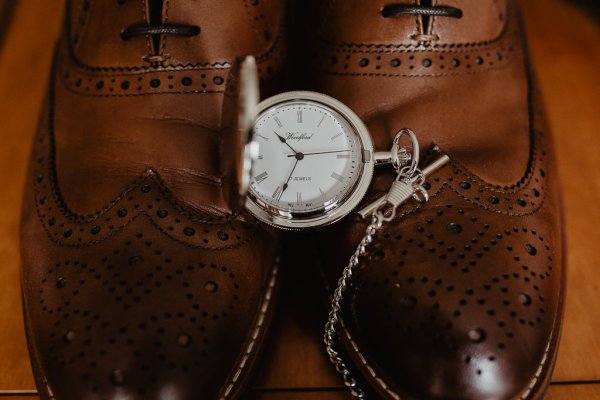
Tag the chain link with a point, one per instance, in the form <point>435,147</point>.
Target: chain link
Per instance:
<point>408,184</point>
<point>336,306</point>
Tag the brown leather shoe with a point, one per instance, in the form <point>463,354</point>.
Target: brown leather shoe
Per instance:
<point>138,280</point>
<point>461,298</point>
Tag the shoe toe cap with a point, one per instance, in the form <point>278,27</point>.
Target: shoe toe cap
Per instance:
<point>472,315</point>
<point>141,316</point>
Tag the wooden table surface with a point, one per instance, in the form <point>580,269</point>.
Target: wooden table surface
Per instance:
<point>565,46</point>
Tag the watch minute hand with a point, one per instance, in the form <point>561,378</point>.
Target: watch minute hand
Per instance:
<point>320,152</point>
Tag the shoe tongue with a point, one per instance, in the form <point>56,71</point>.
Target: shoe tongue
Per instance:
<point>361,23</point>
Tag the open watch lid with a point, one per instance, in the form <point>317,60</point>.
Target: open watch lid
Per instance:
<point>248,96</point>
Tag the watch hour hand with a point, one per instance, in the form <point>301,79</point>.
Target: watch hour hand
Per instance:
<point>282,140</point>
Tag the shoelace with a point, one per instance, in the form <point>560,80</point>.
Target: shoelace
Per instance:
<point>425,10</point>
<point>396,10</point>
<point>160,29</point>
<point>155,28</point>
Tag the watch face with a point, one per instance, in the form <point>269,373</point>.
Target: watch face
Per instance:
<point>311,158</point>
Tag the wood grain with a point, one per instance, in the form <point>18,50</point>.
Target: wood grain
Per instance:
<point>574,392</point>
<point>556,392</point>
<point>564,42</point>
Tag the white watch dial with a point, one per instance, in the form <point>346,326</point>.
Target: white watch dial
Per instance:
<point>309,157</point>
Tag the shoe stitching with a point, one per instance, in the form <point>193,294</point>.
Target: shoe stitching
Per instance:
<point>46,162</point>
<point>148,176</point>
<point>50,153</point>
<point>389,391</point>
<point>145,17</point>
<point>255,335</point>
<point>79,80</point>
<point>239,243</point>
<point>83,18</point>
<point>265,55</point>
<point>434,20</point>
<point>536,161</point>
<point>522,184</point>
<point>260,323</point>
<point>91,220</point>
<point>163,42</point>
<point>488,208</point>
<point>509,10</point>
<point>526,394</point>
<point>529,391</point>
<point>434,75</point>
<point>418,21</point>
<point>484,61</point>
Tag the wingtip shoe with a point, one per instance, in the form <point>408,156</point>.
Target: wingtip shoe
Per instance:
<point>138,279</point>
<point>460,298</point>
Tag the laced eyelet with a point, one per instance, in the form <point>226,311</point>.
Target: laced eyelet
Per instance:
<point>399,9</point>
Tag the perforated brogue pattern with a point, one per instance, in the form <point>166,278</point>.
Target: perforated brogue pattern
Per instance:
<point>160,319</point>
<point>257,11</point>
<point>201,77</point>
<point>146,197</point>
<point>436,280</point>
<point>268,27</point>
<point>474,277</point>
<point>396,63</point>
<point>205,78</point>
<point>139,293</point>
<point>436,277</point>
<point>524,197</point>
<point>358,59</point>
<point>467,245</point>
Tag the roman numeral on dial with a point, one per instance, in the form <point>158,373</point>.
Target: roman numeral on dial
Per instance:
<point>322,194</point>
<point>337,177</point>
<point>261,177</point>
<point>299,117</point>
<point>277,193</point>
<point>278,122</point>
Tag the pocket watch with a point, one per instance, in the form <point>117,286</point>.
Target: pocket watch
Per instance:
<point>314,162</point>
<point>306,160</point>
